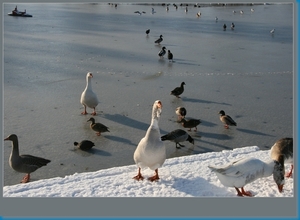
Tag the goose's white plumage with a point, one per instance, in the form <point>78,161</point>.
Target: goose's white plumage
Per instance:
<point>240,172</point>
<point>88,97</point>
<point>151,151</point>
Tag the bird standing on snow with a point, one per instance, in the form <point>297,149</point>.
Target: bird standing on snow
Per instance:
<point>147,31</point>
<point>240,172</point>
<point>151,151</point>
<point>162,52</point>
<point>226,119</point>
<point>170,56</point>
<point>186,9</point>
<point>178,90</point>
<point>84,145</point>
<point>216,19</point>
<point>181,113</point>
<point>224,27</point>
<point>159,40</point>
<point>283,147</point>
<point>98,127</point>
<point>198,14</point>
<point>88,97</point>
<point>24,163</point>
<point>177,136</point>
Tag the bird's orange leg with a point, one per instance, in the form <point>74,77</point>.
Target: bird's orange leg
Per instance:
<point>26,178</point>
<point>98,134</point>
<point>84,112</point>
<point>246,193</point>
<point>139,176</point>
<point>155,177</point>
<point>289,174</point>
<point>238,191</point>
<point>94,112</point>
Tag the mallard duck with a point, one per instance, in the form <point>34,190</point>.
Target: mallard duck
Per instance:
<point>170,56</point>
<point>98,127</point>
<point>232,26</point>
<point>190,123</point>
<point>159,40</point>
<point>181,113</point>
<point>224,27</point>
<point>178,90</point>
<point>84,145</point>
<point>198,14</point>
<point>24,163</point>
<point>284,147</point>
<point>151,151</point>
<point>177,136</point>
<point>162,52</point>
<point>226,119</point>
<point>88,97</point>
<point>240,172</point>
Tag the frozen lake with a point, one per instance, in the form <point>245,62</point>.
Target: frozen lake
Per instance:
<point>247,72</point>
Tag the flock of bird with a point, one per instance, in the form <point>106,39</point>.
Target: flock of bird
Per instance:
<point>151,151</point>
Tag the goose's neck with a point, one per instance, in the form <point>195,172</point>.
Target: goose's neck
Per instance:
<point>15,147</point>
<point>88,83</point>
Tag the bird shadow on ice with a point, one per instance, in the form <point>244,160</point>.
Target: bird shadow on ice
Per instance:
<point>125,120</point>
<point>207,123</point>
<point>203,101</point>
<point>194,187</point>
<point>88,153</point>
<point>119,139</point>
<point>253,132</point>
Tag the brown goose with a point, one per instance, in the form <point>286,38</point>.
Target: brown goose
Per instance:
<point>226,119</point>
<point>84,145</point>
<point>190,123</point>
<point>24,163</point>
<point>178,90</point>
<point>284,147</point>
<point>177,136</point>
<point>98,127</point>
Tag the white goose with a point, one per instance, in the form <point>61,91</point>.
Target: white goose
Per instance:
<point>284,147</point>
<point>88,97</point>
<point>240,172</point>
<point>151,151</point>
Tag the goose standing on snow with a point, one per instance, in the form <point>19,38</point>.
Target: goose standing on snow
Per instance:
<point>177,136</point>
<point>88,97</point>
<point>162,52</point>
<point>226,119</point>
<point>190,123</point>
<point>178,90</point>
<point>224,27</point>
<point>181,113</point>
<point>240,172</point>
<point>151,151</point>
<point>170,56</point>
<point>24,163</point>
<point>159,40</point>
<point>284,147</point>
<point>84,145</point>
<point>98,127</point>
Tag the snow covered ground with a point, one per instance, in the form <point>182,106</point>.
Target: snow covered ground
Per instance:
<point>186,176</point>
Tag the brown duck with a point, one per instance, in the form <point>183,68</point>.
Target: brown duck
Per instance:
<point>178,90</point>
<point>98,127</point>
<point>226,119</point>
<point>190,123</point>
<point>24,163</point>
